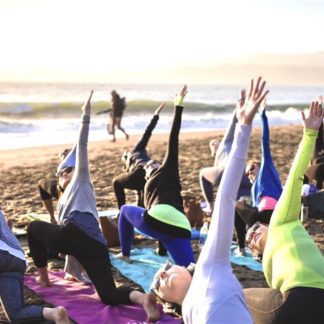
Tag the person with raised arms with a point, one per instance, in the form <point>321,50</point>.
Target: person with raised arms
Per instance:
<point>266,188</point>
<point>213,294</point>
<point>293,264</point>
<point>163,217</point>
<point>78,233</point>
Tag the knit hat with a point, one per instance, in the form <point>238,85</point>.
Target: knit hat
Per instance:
<point>69,161</point>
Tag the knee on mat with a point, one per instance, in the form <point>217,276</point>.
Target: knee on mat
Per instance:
<point>33,226</point>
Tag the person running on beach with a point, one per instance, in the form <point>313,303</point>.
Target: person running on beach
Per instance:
<point>266,188</point>
<point>164,217</point>
<point>12,270</point>
<point>118,105</point>
<point>293,264</point>
<point>213,294</point>
<point>210,177</point>
<point>78,233</point>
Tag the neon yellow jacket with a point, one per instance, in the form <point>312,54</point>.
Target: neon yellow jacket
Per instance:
<point>291,257</point>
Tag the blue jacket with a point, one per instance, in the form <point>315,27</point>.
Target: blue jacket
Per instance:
<point>267,182</point>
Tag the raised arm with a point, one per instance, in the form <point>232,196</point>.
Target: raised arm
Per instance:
<point>142,143</point>
<point>172,154</point>
<point>288,206</point>
<point>82,163</point>
<point>265,137</point>
<point>217,246</point>
<point>268,181</point>
<point>225,145</point>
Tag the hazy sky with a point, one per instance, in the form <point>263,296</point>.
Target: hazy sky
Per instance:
<point>82,40</point>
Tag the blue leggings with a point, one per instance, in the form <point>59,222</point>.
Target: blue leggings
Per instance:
<point>12,271</point>
<point>132,216</point>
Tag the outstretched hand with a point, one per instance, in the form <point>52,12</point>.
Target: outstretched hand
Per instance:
<point>248,105</point>
<point>86,108</point>
<point>183,91</point>
<point>314,117</point>
<point>158,109</point>
<point>178,101</point>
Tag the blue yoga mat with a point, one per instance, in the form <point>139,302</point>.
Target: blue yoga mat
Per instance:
<point>144,265</point>
<point>246,261</point>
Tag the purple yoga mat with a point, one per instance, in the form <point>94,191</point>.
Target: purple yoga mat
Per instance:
<point>84,305</point>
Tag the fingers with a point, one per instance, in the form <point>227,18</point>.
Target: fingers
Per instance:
<point>251,88</point>
<point>303,117</point>
<point>259,101</point>
<point>241,101</point>
<point>256,89</point>
<point>184,91</point>
<point>90,96</point>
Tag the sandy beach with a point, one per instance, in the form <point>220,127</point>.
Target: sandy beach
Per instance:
<point>22,169</point>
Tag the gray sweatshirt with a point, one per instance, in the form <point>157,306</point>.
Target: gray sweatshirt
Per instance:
<point>78,202</point>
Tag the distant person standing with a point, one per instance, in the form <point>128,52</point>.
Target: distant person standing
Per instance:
<point>118,105</point>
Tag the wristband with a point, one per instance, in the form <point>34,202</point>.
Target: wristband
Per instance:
<point>178,101</point>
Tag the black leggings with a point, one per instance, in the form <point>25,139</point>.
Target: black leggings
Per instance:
<point>134,180</point>
<point>300,305</point>
<point>246,215</point>
<point>91,254</point>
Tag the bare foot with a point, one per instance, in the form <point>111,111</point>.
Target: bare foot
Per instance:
<point>69,277</point>
<point>43,282</point>
<point>123,257</point>
<point>151,308</point>
<point>61,315</point>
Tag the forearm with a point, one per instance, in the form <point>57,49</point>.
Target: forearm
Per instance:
<point>142,143</point>
<point>219,239</point>
<point>265,138</point>
<point>82,163</point>
<point>171,157</point>
<point>288,206</point>
<point>226,143</point>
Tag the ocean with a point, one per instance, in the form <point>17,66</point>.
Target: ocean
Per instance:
<point>41,114</point>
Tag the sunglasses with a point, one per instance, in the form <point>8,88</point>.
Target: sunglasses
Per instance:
<point>66,171</point>
<point>168,265</point>
<point>251,231</point>
<point>156,283</point>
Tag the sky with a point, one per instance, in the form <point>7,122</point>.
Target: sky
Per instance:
<point>127,40</point>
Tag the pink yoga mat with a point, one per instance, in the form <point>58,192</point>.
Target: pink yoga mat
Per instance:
<point>84,305</point>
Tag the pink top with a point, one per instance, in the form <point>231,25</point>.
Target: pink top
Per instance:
<point>267,203</point>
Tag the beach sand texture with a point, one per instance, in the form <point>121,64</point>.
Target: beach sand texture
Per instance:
<point>22,169</point>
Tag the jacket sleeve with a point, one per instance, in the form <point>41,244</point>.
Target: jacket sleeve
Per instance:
<point>171,159</point>
<point>82,163</point>
<point>288,206</point>
<point>268,181</point>
<point>226,143</point>
<point>142,143</point>
<point>219,239</point>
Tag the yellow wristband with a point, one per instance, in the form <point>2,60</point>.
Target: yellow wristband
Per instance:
<point>178,101</point>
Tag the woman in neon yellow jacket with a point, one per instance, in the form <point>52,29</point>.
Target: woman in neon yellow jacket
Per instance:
<point>293,264</point>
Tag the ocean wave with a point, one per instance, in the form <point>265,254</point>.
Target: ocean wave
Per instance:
<point>72,109</point>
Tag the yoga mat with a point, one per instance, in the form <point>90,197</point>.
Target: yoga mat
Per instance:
<point>84,306</point>
<point>145,263</point>
<point>247,261</point>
